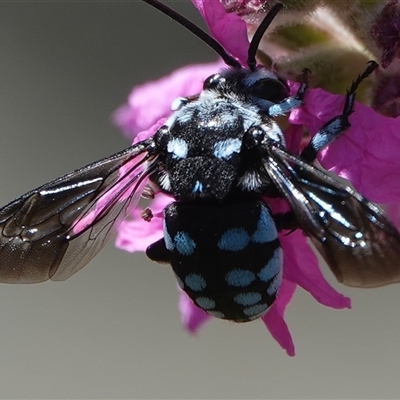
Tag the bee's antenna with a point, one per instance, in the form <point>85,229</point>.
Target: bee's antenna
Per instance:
<point>251,58</point>
<point>205,37</point>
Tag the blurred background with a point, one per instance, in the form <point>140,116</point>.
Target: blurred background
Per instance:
<point>113,329</point>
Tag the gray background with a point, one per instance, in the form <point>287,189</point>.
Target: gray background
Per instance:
<point>112,330</point>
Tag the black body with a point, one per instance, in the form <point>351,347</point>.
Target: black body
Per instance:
<point>226,257</point>
<point>219,156</point>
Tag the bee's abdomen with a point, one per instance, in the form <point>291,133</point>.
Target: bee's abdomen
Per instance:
<point>226,257</point>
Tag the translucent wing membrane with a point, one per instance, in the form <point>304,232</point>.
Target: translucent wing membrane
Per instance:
<point>56,229</point>
<point>354,236</point>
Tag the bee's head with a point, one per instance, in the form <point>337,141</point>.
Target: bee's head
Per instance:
<point>259,87</point>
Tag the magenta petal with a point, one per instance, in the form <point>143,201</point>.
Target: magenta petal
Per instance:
<point>192,317</point>
<point>293,138</point>
<point>301,267</point>
<point>275,322</point>
<point>149,102</point>
<point>136,234</point>
<point>149,132</point>
<point>125,119</point>
<point>319,107</point>
<point>367,153</point>
<point>228,29</point>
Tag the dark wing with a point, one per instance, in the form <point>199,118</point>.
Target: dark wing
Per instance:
<point>356,239</point>
<point>56,229</point>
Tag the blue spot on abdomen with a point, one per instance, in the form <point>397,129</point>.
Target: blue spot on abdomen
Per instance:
<point>184,243</point>
<point>247,299</point>
<point>205,302</point>
<point>169,243</point>
<point>195,282</point>
<point>239,277</point>
<point>275,284</point>
<point>266,229</point>
<point>255,310</point>
<point>273,266</point>
<point>234,239</point>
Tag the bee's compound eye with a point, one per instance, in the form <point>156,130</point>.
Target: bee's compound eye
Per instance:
<point>269,89</point>
<point>213,81</point>
<point>178,103</point>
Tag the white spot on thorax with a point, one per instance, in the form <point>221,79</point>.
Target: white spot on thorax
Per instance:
<point>178,148</point>
<point>198,187</point>
<point>185,115</point>
<point>178,103</point>
<point>226,148</point>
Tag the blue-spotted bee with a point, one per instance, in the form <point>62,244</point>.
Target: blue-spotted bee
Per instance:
<point>218,156</point>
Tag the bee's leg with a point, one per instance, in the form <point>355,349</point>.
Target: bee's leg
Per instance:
<point>291,102</point>
<point>337,125</point>
<point>158,252</point>
<point>286,220</point>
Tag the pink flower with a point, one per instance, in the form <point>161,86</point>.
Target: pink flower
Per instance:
<point>367,154</point>
<point>142,111</point>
